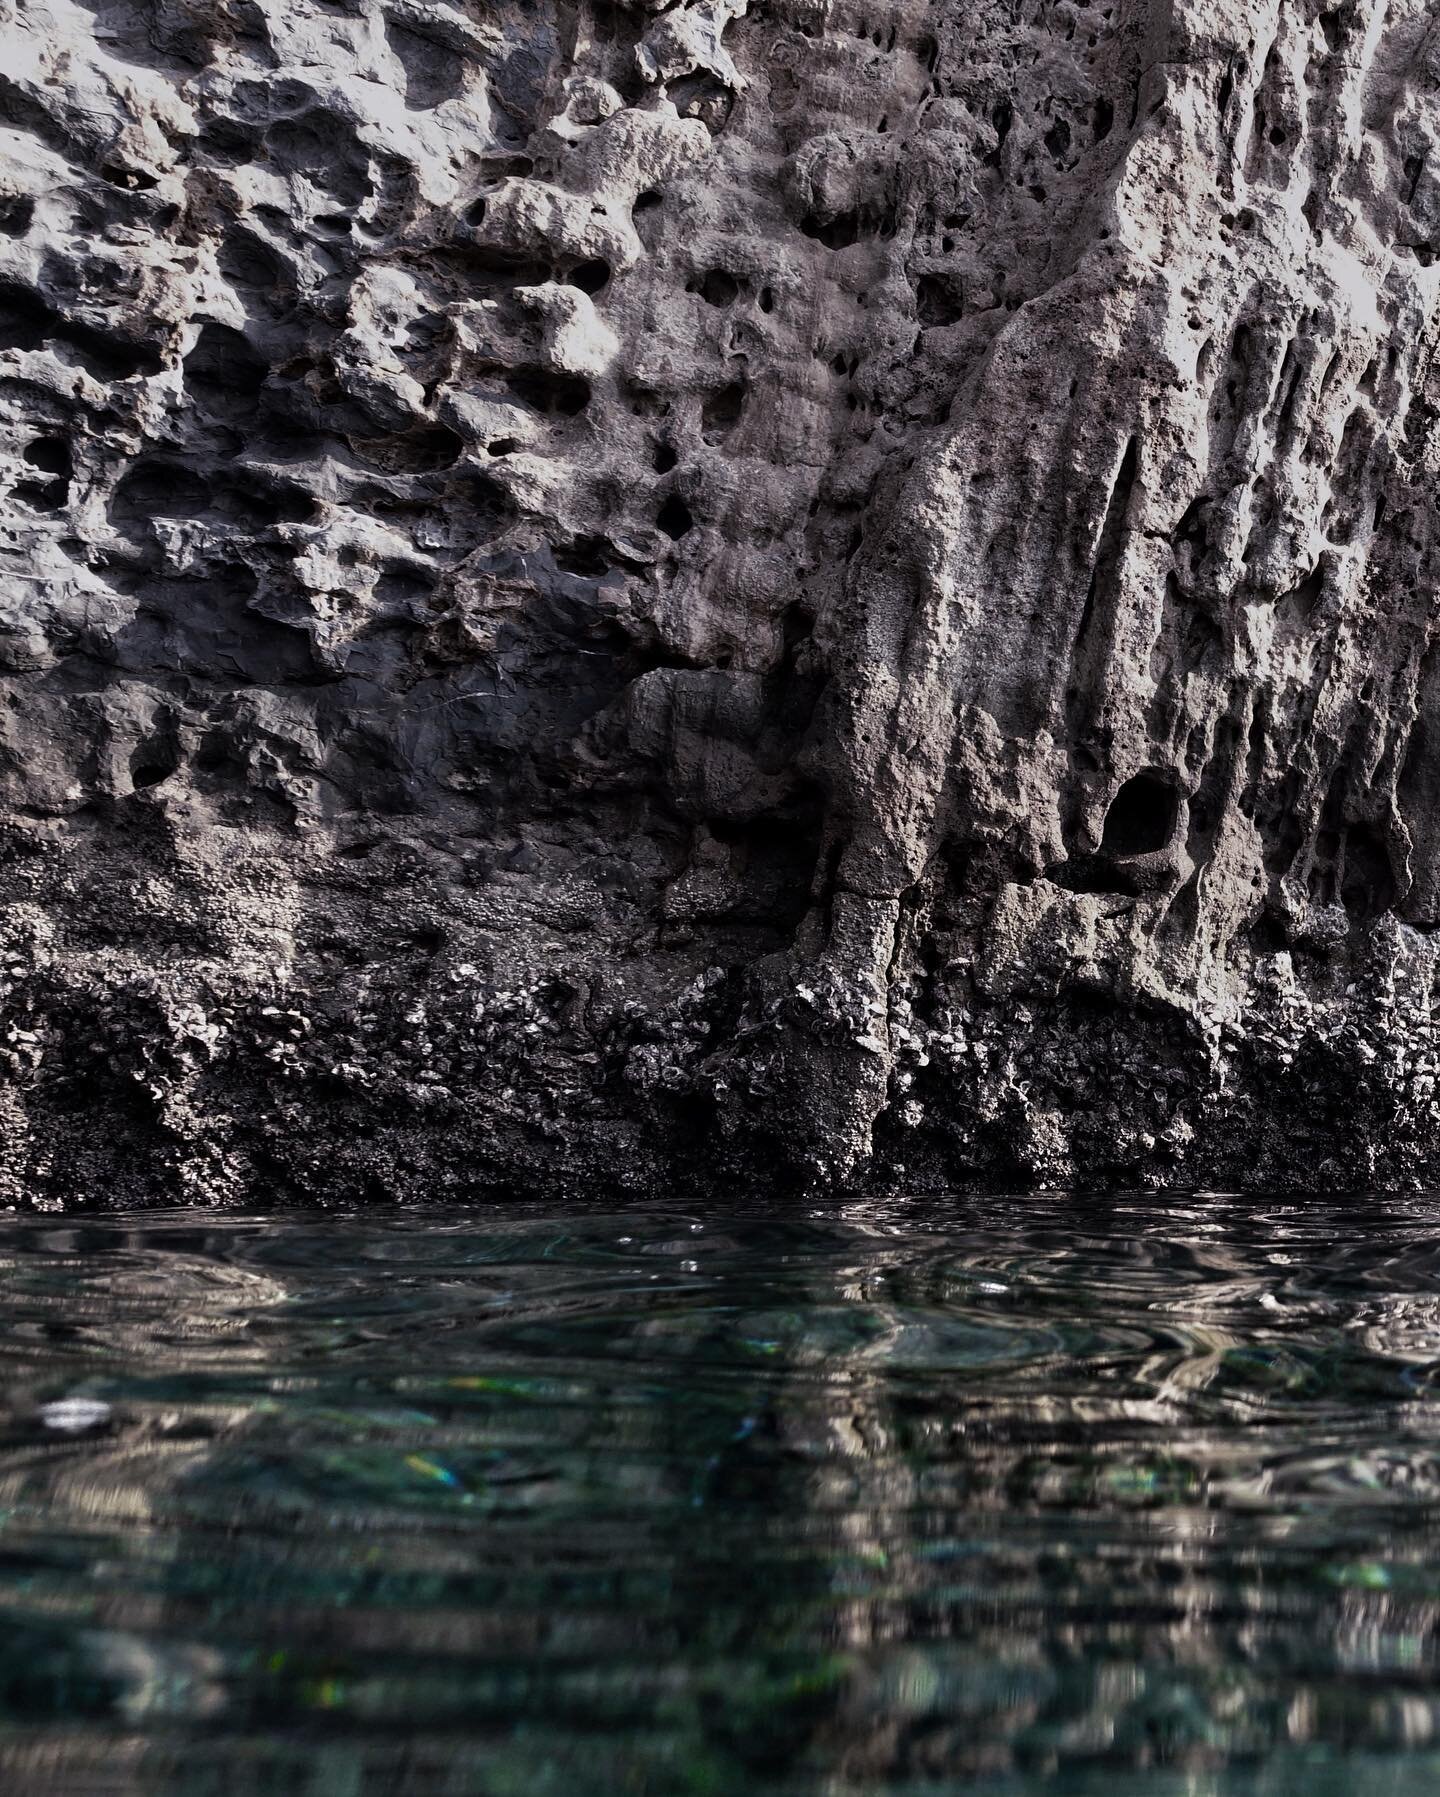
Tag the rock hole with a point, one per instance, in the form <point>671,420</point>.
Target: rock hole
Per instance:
<point>590,277</point>
<point>253,268</point>
<point>51,455</point>
<point>133,179</point>
<point>1104,118</point>
<point>547,390</point>
<point>1302,600</point>
<point>17,212</point>
<point>1199,635</point>
<point>151,764</point>
<point>1001,118</point>
<point>587,557</point>
<point>702,96</point>
<point>494,269</point>
<point>939,300</point>
<point>229,142</point>
<point>218,754</point>
<point>665,458</point>
<point>158,490</point>
<point>674,518</point>
<point>1142,816</point>
<point>722,411</point>
<point>719,288</point>
<point>797,626</point>
<point>645,202</point>
<point>767,300</point>
<point>835,233</point>
<point>403,585</point>
<point>487,505</point>
<point>411,452</point>
<point>507,163</point>
<point>25,319</point>
<point>223,372</point>
<point>1367,885</point>
<point>107,358</point>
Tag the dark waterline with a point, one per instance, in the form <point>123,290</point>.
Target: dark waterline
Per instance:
<point>1017,1495</point>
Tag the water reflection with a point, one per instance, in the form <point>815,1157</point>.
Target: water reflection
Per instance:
<point>1026,1495</point>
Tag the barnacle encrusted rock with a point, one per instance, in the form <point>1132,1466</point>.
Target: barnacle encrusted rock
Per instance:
<point>595,591</point>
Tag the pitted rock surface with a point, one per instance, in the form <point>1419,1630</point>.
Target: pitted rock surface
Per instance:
<point>596,592</point>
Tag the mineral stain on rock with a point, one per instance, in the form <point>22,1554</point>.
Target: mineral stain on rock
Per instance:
<point>597,591</point>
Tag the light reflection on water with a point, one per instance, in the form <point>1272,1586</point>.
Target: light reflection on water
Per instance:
<point>1016,1495</point>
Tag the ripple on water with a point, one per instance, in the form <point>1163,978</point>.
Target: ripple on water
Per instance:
<point>1007,1495</point>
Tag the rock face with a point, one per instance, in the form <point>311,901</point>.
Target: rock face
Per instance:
<point>609,592</point>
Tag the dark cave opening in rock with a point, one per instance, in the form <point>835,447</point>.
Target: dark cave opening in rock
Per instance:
<point>1142,816</point>
<point>719,288</point>
<point>549,390</point>
<point>1367,887</point>
<point>722,411</point>
<point>674,518</point>
<point>590,277</point>
<point>51,456</point>
<point>153,763</point>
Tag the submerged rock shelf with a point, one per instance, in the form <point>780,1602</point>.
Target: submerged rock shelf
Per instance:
<point>791,591</point>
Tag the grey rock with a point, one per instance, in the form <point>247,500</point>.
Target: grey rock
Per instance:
<point>788,592</point>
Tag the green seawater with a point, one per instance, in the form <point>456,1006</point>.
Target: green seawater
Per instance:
<point>1128,1498</point>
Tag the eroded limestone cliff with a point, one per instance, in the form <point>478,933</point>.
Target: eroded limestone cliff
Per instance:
<point>599,590</point>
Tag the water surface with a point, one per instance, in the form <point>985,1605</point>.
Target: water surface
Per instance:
<point>1020,1495</point>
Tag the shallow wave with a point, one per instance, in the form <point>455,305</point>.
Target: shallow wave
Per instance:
<point>1013,1495</point>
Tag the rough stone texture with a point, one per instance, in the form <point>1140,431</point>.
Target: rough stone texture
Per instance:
<point>599,592</point>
